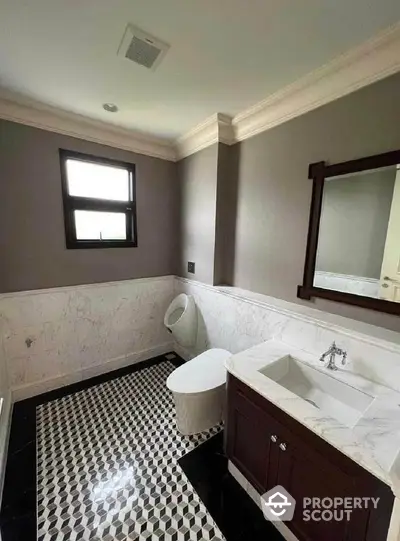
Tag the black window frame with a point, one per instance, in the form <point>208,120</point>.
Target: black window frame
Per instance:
<point>72,203</point>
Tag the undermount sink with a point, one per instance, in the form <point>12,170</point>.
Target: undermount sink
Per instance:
<point>333,397</point>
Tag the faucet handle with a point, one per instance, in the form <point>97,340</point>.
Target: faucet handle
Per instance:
<point>332,349</point>
<point>332,352</point>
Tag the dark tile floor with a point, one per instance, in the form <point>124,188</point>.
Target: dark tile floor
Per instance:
<point>102,460</point>
<point>237,516</point>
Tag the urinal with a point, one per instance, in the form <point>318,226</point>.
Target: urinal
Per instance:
<point>181,320</point>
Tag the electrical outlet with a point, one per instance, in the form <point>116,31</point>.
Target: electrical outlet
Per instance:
<point>191,267</point>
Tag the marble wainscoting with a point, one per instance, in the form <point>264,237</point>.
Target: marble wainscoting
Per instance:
<point>55,337</point>
<point>5,415</point>
<point>236,319</point>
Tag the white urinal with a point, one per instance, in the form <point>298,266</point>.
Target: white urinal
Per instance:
<point>181,320</point>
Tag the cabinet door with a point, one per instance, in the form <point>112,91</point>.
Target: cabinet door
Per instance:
<point>306,466</point>
<point>306,473</point>
<point>250,445</point>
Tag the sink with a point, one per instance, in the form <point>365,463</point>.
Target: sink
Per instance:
<point>324,392</point>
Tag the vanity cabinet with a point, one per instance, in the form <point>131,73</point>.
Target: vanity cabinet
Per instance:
<point>270,448</point>
<point>251,441</point>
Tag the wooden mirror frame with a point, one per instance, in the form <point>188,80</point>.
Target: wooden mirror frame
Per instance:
<point>318,172</point>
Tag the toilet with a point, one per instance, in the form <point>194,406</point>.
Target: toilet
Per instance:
<point>198,386</point>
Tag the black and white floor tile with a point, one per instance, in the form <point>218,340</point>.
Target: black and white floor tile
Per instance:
<point>101,459</point>
<point>107,465</point>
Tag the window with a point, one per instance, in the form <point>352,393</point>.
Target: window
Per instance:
<point>99,201</point>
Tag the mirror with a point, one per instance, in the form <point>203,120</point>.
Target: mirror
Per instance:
<point>353,252</point>
<point>359,246</point>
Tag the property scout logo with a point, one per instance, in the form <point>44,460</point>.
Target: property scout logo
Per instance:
<point>278,505</point>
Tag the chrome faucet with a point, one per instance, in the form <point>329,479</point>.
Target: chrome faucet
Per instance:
<point>332,352</point>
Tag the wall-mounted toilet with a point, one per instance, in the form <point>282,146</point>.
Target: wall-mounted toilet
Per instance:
<point>198,386</point>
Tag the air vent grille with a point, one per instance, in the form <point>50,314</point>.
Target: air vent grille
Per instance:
<point>142,52</point>
<point>142,48</point>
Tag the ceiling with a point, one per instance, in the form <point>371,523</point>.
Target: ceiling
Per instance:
<point>225,55</point>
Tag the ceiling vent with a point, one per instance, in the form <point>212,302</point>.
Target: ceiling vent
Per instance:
<point>142,48</point>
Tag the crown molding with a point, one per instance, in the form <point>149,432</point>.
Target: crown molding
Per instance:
<point>372,61</point>
<point>66,123</point>
<point>215,129</point>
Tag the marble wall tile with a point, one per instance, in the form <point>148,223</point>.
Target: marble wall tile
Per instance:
<point>55,335</point>
<point>6,407</point>
<point>236,320</point>
<point>52,334</point>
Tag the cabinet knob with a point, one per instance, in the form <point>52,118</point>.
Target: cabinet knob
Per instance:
<point>282,446</point>
<point>274,438</point>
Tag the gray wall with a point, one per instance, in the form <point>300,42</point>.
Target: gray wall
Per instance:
<point>354,221</point>
<point>32,240</point>
<point>274,193</point>
<point>227,170</point>
<point>208,183</point>
<point>244,210</point>
<point>198,184</point>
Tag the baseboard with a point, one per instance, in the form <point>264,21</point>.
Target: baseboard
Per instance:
<point>5,426</point>
<point>39,387</point>
<point>132,358</point>
<point>186,354</point>
<point>255,496</point>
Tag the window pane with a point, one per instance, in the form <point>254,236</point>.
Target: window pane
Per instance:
<point>93,225</point>
<point>86,179</point>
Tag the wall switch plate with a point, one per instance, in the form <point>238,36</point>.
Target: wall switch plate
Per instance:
<point>191,267</point>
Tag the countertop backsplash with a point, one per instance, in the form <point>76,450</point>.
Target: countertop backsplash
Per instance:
<point>235,319</point>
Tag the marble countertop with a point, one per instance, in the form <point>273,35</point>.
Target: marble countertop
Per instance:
<point>374,441</point>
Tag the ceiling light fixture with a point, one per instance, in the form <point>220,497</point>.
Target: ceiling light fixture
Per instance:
<point>110,107</point>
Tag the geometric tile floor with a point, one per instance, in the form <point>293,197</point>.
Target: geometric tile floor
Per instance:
<point>107,465</point>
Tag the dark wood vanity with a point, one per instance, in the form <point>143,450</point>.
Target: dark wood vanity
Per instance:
<point>270,448</point>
